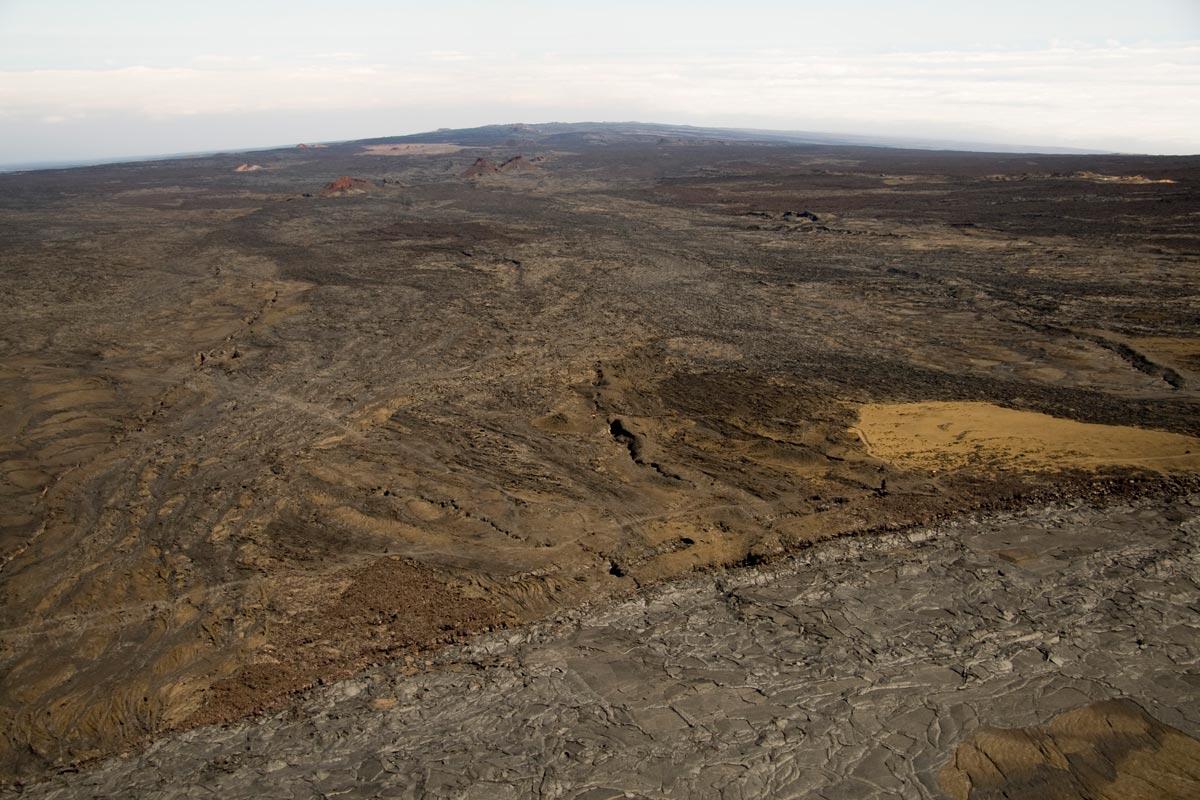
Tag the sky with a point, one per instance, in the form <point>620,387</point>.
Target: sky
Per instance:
<point>97,79</point>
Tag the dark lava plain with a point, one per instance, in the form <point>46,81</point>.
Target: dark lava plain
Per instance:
<point>264,429</point>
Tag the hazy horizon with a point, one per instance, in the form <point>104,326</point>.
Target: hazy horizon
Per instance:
<point>86,83</point>
<point>835,137</point>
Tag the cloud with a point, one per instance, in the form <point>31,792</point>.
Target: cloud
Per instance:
<point>1109,97</point>
<point>340,56</point>
<point>227,61</point>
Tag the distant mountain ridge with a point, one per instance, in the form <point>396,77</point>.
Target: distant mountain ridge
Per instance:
<point>565,134</point>
<point>550,133</point>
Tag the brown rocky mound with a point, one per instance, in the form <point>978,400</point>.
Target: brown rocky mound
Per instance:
<point>480,168</point>
<point>1112,750</point>
<point>247,168</point>
<point>346,185</point>
<point>518,164</point>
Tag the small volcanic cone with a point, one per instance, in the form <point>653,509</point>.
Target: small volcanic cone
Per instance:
<point>247,168</point>
<point>346,185</point>
<point>480,168</point>
<point>518,164</point>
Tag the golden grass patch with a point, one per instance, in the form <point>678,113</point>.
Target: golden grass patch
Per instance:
<point>953,435</point>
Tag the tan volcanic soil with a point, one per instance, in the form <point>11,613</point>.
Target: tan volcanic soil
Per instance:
<point>1180,353</point>
<point>234,427</point>
<point>362,606</point>
<point>408,149</point>
<point>1134,179</point>
<point>1110,750</point>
